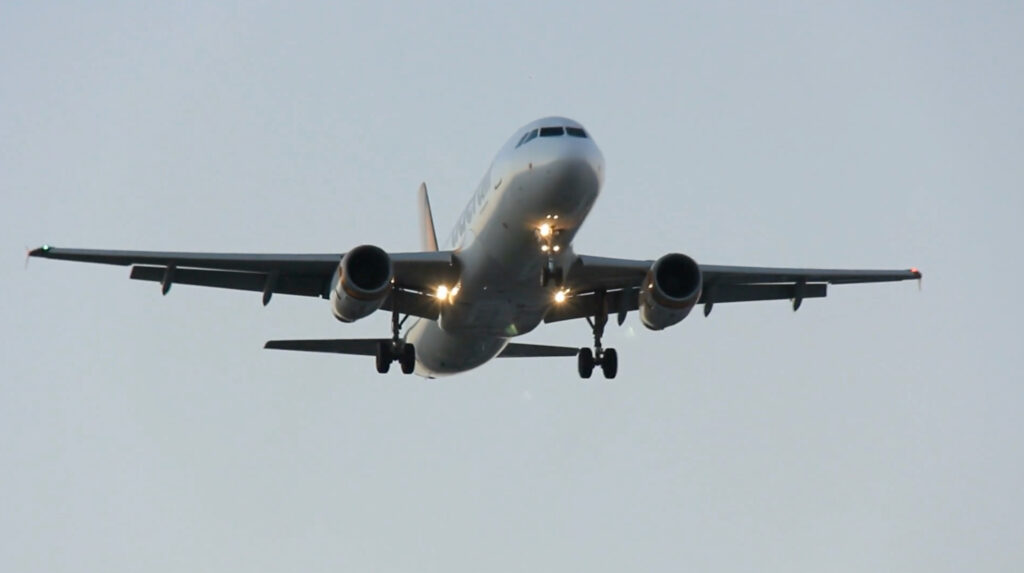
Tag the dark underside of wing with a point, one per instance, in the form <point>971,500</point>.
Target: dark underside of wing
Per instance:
<point>604,283</point>
<point>518,350</point>
<point>416,274</point>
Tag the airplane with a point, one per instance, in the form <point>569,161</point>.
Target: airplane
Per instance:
<point>510,266</point>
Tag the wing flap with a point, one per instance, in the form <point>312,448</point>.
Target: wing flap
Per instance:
<point>304,285</point>
<point>750,293</point>
<point>628,300</point>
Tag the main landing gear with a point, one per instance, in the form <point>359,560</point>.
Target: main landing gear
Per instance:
<point>606,358</point>
<point>396,350</point>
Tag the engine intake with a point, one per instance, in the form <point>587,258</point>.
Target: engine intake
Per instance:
<point>361,284</point>
<point>670,290</point>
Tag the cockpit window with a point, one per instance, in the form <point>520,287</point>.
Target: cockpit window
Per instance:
<point>551,132</point>
<point>527,137</point>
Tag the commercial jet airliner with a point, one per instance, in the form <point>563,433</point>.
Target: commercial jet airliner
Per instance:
<point>510,266</point>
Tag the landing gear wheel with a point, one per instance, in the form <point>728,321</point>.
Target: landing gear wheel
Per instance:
<point>585,362</point>
<point>610,363</point>
<point>408,359</point>
<point>383,357</point>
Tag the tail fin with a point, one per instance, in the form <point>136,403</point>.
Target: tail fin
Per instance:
<point>427,235</point>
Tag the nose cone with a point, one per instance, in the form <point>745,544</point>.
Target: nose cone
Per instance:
<point>570,172</point>
<point>581,161</point>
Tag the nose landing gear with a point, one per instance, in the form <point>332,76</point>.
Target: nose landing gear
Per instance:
<point>547,235</point>
<point>551,274</point>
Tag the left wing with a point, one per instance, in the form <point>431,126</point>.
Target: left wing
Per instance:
<point>615,283</point>
<point>416,274</point>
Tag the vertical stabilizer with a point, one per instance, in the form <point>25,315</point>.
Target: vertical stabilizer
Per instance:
<point>428,237</point>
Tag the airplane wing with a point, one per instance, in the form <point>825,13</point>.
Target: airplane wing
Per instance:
<point>617,282</point>
<point>416,274</point>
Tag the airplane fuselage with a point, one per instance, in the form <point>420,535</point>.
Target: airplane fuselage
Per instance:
<point>552,179</point>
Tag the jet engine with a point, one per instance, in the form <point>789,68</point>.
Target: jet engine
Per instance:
<point>361,284</point>
<point>670,290</point>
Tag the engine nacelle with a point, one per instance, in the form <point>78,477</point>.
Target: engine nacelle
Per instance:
<point>670,290</point>
<point>361,284</point>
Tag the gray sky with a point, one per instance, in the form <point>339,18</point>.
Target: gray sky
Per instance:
<point>878,429</point>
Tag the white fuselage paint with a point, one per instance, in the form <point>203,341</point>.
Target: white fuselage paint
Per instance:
<point>496,241</point>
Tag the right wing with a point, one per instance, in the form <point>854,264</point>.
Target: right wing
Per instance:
<point>416,274</point>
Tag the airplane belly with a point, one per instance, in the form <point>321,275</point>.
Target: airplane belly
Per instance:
<point>440,353</point>
<point>497,297</point>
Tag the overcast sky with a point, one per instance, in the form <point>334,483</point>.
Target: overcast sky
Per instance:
<point>877,429</point>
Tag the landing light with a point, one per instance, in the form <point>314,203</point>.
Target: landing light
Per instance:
<point>560,296</point>
<point>444,293</point>
<point>545,230</point>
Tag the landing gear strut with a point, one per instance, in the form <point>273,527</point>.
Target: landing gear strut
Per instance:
<point>606,358</point>
<point>551,273</point>
<point>396,350</point>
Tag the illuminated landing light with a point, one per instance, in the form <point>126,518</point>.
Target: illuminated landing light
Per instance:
<point>544,248</point>
<point>446,294</point>
<point>560,296</point>
<point>545,230</point>
<point>556,248</point>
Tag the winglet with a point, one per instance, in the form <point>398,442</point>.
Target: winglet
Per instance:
<point>40,251</point>
<point>428,237</point>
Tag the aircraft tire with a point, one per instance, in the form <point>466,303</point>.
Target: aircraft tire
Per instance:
<point>408,359</point>
<point>383,357</point>
<point>610,363</point>
<point>585,362</point>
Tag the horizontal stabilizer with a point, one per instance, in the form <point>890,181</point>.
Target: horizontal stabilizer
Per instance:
<point>514,350</point>
<point>357,346</point>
